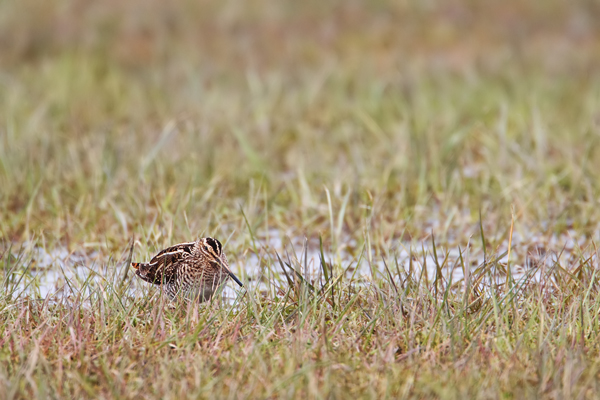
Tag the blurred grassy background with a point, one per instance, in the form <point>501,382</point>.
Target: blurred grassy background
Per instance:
<point>114,111</point>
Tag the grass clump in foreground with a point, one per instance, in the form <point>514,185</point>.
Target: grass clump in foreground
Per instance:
<point>442,166</point>
<point>399,335</point>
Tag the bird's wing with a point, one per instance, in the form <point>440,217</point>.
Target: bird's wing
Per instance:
<point>162,268</point>
<point>177,251</point>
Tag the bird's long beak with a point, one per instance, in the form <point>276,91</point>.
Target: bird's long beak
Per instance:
<point>231,274</point>
<point>235,278</point>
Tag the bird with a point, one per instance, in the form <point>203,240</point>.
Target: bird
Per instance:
<point>193,269</point>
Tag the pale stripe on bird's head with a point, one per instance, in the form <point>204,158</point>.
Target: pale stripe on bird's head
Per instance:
<point>212,249</point>
<point>211,246</point>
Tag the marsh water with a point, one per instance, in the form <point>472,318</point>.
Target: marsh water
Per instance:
<point>43,273</point>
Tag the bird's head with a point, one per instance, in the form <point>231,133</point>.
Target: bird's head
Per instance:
<point>213,250</point>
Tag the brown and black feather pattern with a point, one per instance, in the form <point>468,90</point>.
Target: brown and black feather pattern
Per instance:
<point>195,269</point>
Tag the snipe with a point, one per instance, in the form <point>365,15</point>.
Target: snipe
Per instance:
<point>194,269</point>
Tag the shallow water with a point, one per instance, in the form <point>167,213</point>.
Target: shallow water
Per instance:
<point>58,272</point>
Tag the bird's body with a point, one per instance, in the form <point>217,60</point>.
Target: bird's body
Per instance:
<point>193,269</point>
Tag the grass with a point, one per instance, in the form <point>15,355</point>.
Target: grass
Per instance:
<point>403,141</point>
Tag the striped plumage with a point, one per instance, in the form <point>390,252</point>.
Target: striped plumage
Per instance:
<point>194,269</point>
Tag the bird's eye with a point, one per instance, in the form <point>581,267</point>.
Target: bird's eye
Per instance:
<point>205,248</point>
<point>215,244</point>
